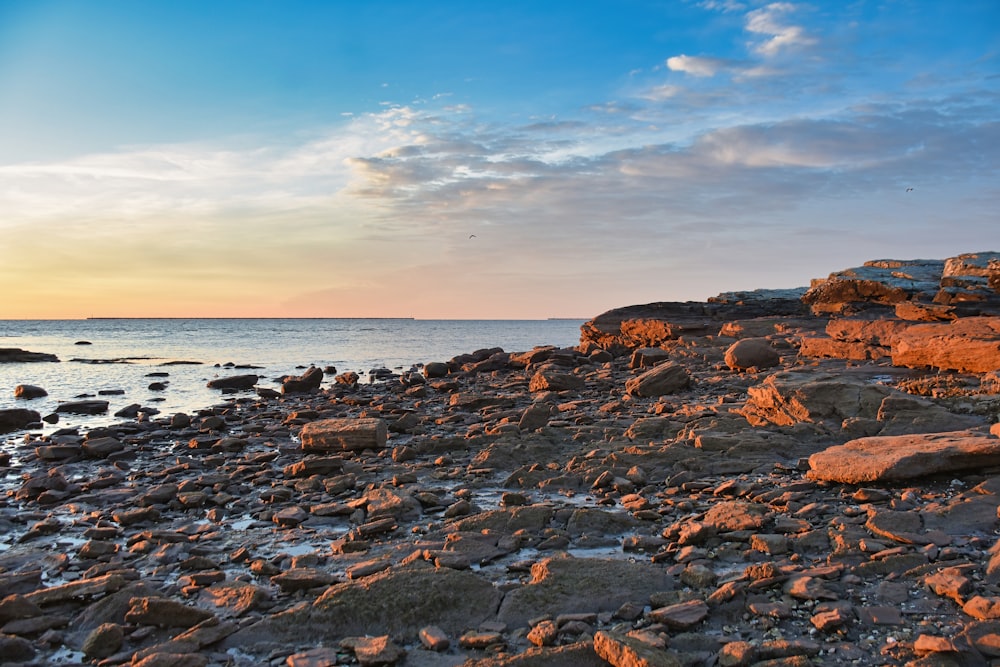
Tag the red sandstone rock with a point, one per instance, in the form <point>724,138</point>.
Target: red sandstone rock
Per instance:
<point>163,612</point>
<point>904,457</point>
<point>373,651</point>
<point>682,615</point>
<point>624,651</point>
<point>846,290</point>
<point>434,638</point>
<point>829,348</point>
<point>549,378</point>
<point>661,380</point>
<point>914,311</point>
<point>970,344</point>
<point>344,435</point>
<point>790,397</point>
<point>877,332</point>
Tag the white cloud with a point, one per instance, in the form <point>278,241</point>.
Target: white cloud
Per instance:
<point>696,65</point>
<point>660,93</point>
<point>725,6</point>
<point>780,36</point>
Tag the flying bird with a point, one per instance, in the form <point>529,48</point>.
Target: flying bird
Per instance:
<point>909,189</point>
<point>472,236</point>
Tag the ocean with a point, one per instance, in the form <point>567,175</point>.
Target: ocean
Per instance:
<point>120,355</point>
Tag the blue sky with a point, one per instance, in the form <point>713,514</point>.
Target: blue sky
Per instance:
<point>481,160</point>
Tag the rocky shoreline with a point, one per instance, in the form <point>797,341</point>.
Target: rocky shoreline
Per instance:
<point>797,477</point>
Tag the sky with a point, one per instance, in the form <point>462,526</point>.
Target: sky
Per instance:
<point>468,159</point>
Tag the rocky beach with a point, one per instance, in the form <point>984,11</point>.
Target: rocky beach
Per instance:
<point>774,478</point>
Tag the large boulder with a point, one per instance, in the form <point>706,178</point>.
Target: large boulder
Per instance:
<point>751,353</point>
<point>344,435</point>
<point>552,378</point>
<point>970,344</point>
<point>886,459</point>
<point>667,378</point>
<point>305,383</point>
<point>29,391</point>
<point>15,419</point>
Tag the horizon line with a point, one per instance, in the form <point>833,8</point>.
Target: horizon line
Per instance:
<point>186,317</point>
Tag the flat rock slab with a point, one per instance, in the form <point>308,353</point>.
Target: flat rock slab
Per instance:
<point>14,355</point>
<point>76,589</point>
<point>398,602</point>
<point>904,457</point>
<point>86,407</point>
<point>344,435</point>
<point>239,382</point>
<point>571,585</point>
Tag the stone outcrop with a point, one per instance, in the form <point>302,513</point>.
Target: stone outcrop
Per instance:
<point>244,382</point>
<point>654,324</point>
<point>938,314</point>
<point>892,282</point>
<point>845,402</point>
<point>969,344</point>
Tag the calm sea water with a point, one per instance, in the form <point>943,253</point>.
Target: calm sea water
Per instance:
<point>130,349</point>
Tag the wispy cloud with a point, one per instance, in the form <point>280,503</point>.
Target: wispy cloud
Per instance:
<point>779,35</point>
<point>722,5</point>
